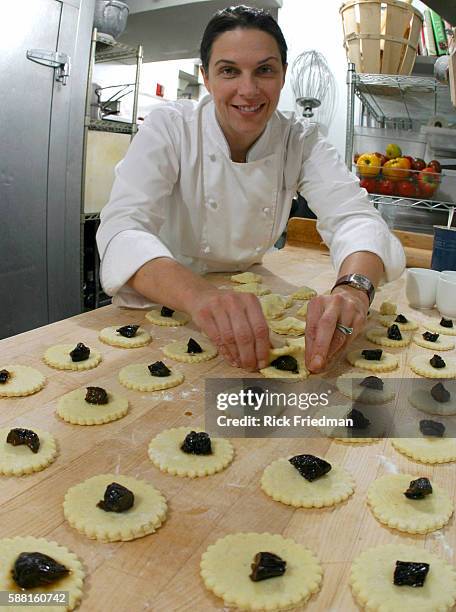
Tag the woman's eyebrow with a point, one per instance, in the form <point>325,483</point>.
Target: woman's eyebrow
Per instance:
<point>226,61</point>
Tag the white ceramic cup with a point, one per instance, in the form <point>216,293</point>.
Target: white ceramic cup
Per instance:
<point>446,297</point>
<point>421,287</point>
<point>448,275</point>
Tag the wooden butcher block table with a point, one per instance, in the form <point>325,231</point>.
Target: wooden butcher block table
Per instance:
<point>160,572</point>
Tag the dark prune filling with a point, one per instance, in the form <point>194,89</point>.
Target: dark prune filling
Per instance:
<point>197,443</point>
<point>372,354</point>
<point>432,428</point>
<point>287,363</point>
<point>446,322</point>
<point>19,436</point>
<point>358,418</point>
<point>128,331</point>
<point>372,382</point>
<point>310,467</point>
<point>409,573</point>
<point>96,395</point>
<point>4,376</point>
<point>440,394</point>
<point>34,569</point>
<point>159,369</point>
<point>419,488</point>
<point>193,347</point>
<point>430,337</point>
<point>117,498</point>
<point>437,362</point>
<point>394,333</point>
<point>166,312</point>
<point>80,352</point>
<point>267,565</point>
<point>400,319</point>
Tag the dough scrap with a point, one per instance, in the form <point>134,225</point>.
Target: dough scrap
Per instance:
<point>386,363</point>
<point>437,328</point>
<point>254,288</point>
<point>225,569</point>
<point>273,305</point>
<point>284,483</point>
<point>302,311</point>
<point>421,399</point>
<point>388,308</point>
<point>144,517</point>
<point>58,357</point>
<point>247,277</point>
<point>348,386</point>
<point>10,548</point>
<point>178,351</point>
<point>175,320</point>
<point>109,335</point>
<point>137,377</point>
<point>289,326</point>
<point>379,335</point>
<point>441,344</point>
<point>391,507</point>
<point>304,293</point>
<point>73,408</point>
<point>23,380</point>
<point>387,320</point>
<point>166,454</point>
<point>427,449</point>
<point>371,581</point>
<point>20,460</point>
<point>272,372</point>
<point>420,365</point>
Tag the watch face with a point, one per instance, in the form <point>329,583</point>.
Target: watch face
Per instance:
<point>360,281</point>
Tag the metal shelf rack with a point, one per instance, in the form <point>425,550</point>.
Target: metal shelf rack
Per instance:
<point>103,49</point>
<point>398,102</point>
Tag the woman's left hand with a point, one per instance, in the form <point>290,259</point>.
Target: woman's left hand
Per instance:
<point>345,305</point>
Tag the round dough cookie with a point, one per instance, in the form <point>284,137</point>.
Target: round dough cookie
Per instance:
<point>304,293</point>
<point>391,507</point>
<point>20,460</point>
<point>435,327</point>
<point>334,431</point>
<point>349,385</point>
<point>289,326</point>
<point>165,452</point>
<point>225,569</point>
<point>379,335</point>
<point>372,573</point>
<point>294,351</point>
<point>178,351</point>
<point>421,399</point>
<point>254,288</point>
<point>58,357</point>
<point>386,363</point>
<point>23,380</point>
<point>428,449</point>
<point>273,305</point>
<point>441,344</point>
<point>11,548</point>
<point>420,365</point>
<point>109,335</point>
<point>137,376</point>
<point>388,308</point>
<point>387,320</point>
<point>284,483</point>
<point>299,342</point>
<point>73,408</point>
<point>144,517</point>
<point>176,320</point>
<point>247,277</point>
<point>302,312</point>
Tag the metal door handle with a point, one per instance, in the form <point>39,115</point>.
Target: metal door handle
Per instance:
<point>60,62</point>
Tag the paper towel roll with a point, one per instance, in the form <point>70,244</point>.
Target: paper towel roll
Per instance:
<point>438,121</point>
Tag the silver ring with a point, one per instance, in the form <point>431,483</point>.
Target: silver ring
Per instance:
<point>347,331</point>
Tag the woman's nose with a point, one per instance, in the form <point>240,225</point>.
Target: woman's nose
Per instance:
<point>247,86</point>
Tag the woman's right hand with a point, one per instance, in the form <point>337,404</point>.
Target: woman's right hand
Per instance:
<point>235,323</point>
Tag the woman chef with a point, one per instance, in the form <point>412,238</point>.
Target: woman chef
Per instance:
<point>207,187</point>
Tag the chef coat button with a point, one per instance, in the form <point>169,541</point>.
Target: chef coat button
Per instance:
<point>212,204</point>
<point>212,157</point>
<point>258,249</point>
<point>206,249</point>
<point>266,209</point>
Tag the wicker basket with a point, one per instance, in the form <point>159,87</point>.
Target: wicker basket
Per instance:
<point>381,36</point>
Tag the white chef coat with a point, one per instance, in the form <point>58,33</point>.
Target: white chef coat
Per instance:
<point>178,194</point>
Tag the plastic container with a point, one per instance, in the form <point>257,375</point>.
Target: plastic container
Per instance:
<point>371,140</point>
<point>441,140</point>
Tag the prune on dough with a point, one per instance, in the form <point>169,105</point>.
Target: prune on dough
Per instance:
<point>4,376</point>
<point>34,569</point>
<point>159,369</point>
<point>437,362</point>
<point>400,319</point>
<point>430,337</point>
<point>372,354</point>
<point>80,352</point>
<point>440,394</point>
<point>372,382</point>
<point>446,322</point>
<point>358,418</point>
<point>96,395</point>
<point>128,331</point>
<point>410,573</point>
<point>117,498</point>
<point>166,312</point>
<point>310,467</point>
<point>419,488</point>
<point>394,333</point>
<point>267,565</point>
<point>428,427</point>
<point>19,436</point>
<point>286,363</point>
<point>197,443</point>
<point>193,347</point>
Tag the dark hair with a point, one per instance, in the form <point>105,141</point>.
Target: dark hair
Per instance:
<point>246,17</point>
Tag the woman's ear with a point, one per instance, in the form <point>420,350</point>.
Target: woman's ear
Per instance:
<point>205,78</point>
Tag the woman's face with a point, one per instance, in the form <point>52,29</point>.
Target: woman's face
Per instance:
<point>245,77</point>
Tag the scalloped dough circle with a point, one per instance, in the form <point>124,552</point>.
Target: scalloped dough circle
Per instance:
<point>428,449</point>
<point>348,385</point>
<point>73,408</point>
<point>10,549</point>
<point>165,452</point>
<point>439,329</point>
<point>441,344</point>
<point>273,372</point>
<point>387,320</point>
<point>143,518</point>
<point>386,363</point>
<point>421,399</point>
<point>178,351</point>
<point>137,377</point>
<point>420,364</point>
<point>23,381</point>
<point>379,335</point>
<point>175,320</point>
<point>20,460</point>
<point>58,357</point>
<point>110,336</point>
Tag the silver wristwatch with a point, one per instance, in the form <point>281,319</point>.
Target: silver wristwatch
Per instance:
<point>357,281</point>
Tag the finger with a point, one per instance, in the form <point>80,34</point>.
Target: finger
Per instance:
<point>325,333</point>
<point>227,338</point>
<point>210,327</point>
<point>243,334</point>
<point>260,331</point>
<point>338,342</point>
<point>315,310</point>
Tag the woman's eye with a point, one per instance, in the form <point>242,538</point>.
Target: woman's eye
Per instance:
<point>228,71</point>
<point>265,69</point>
